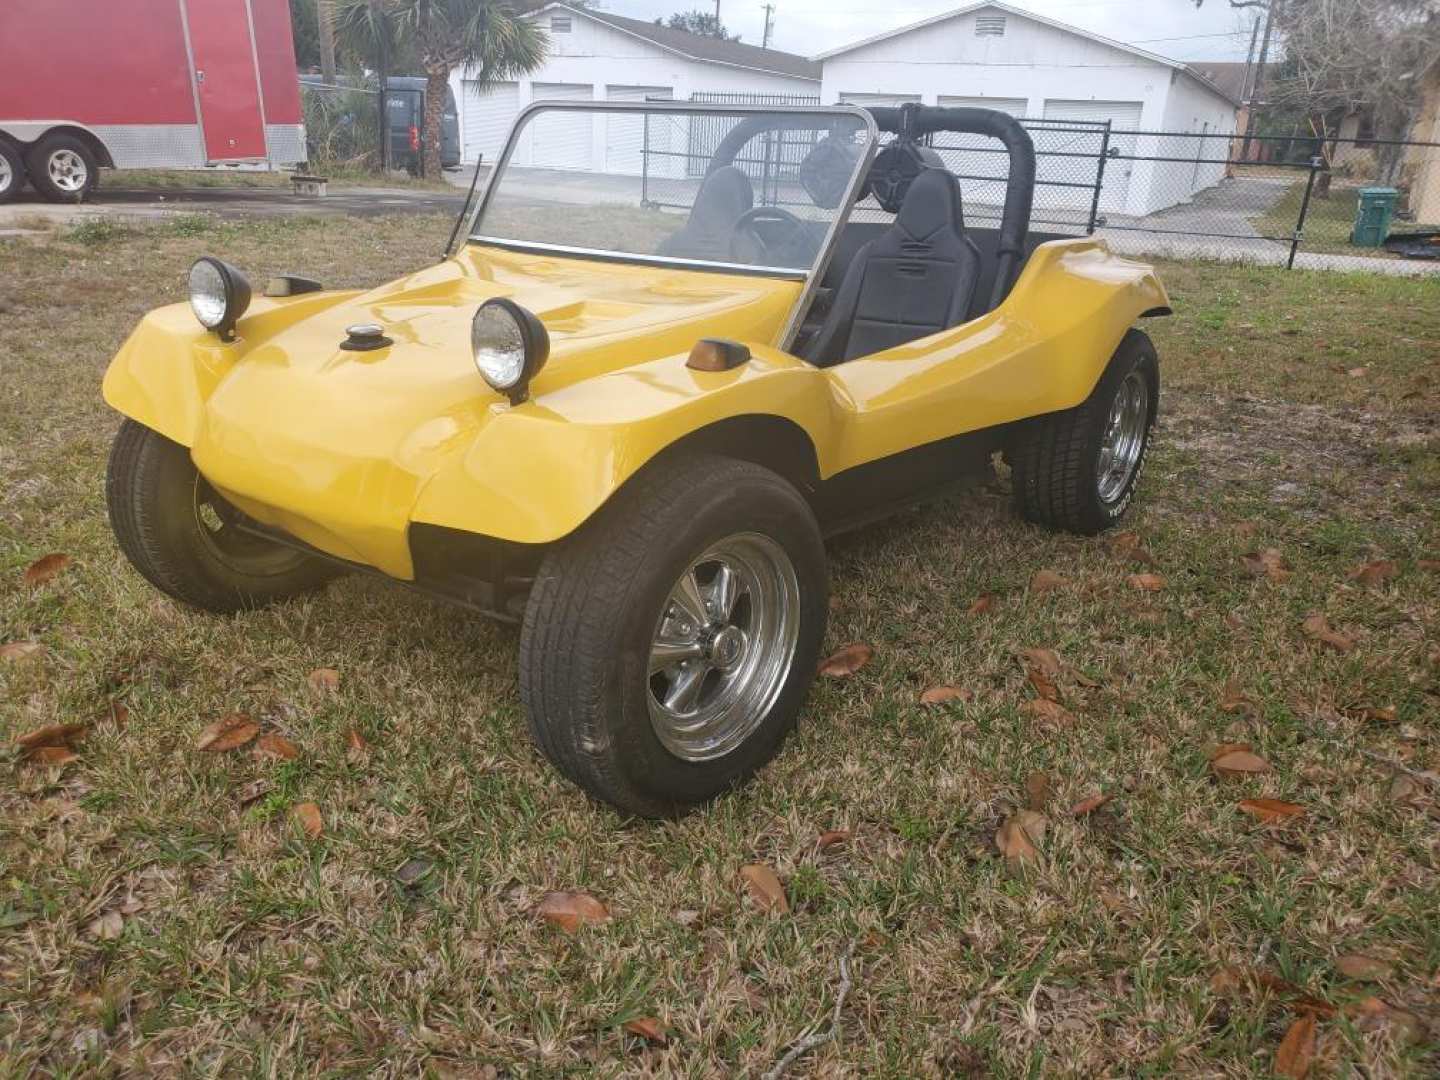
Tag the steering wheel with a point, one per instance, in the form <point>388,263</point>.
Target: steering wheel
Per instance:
<point>764,251</point>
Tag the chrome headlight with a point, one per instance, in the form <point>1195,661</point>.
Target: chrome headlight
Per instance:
<point>219,295</point>
<point>510,346</point>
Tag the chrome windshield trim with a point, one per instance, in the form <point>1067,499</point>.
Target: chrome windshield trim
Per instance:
<point>791,327</point>
<point>793,273</point>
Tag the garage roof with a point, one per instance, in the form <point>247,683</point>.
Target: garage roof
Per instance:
<point>706,50</point>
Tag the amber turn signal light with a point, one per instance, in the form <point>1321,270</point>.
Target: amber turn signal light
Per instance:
<point>717,354</point>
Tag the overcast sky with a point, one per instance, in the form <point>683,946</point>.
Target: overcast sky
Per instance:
<point>1214,32</point>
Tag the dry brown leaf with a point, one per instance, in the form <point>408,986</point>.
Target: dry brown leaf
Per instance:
<point>1047,580</point>
<point>830,837</point>
<point>1375,573</point>
<point>1019,836</point>
<point>1247,528</point>
<point>940,695</point>
<point>1380,714</point>
<point>51,755</point>
<point>355,743</point>
<point>45,568</point>
<point>1318,628</point>
<point>1050,711</point>
<point>1372,1014</point>
<point>230,732</point>
<point>846,660</point>
<point>1297,1049</point>
<point>1270,810</point>
<point>1429,565</point>
<point>1146,582</point>
<point>1037,791</point>
<point>273,744</point>
<point>1044,660</point>
<point>252,791</point>
<point>1089,804</point>
<point>108,926</point>
<point>1267,564</point>
<point>17,651</point>
<point>764,888</point>
<point>1043,686</point>
<point>1233,699</point>
<point>572,910</point>
<point>118,713</point>
<point>1232,978</point>
<point>1364,968</point>
<point>324,680</point>
<point>1123,543</point>
<point>51,735</point>
<point>648,1028</point>
<point>310,819</point>
<point>1239,763</point>
<point>982,604</point>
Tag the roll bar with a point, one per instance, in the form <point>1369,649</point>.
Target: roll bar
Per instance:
<point>913,121</point>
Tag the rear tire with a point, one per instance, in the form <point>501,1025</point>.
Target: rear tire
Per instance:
<point>1077,470</point>
<point>63,168</point>
<point>628,693</point>
<point>12,172</point>
<point>180,535</point>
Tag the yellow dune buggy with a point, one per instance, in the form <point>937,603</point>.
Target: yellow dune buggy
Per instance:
<point>679,345</point>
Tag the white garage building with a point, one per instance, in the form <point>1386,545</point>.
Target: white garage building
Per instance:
<point>996,56</point>
<point>594,55</point>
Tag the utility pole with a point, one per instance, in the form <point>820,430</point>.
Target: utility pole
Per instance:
<point>382,73</point>
<point>717,18</point>
<point>769,11</point>
<point>323,16</point>
<point>1245,94</point>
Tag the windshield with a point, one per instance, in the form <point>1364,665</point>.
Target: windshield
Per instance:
<point>746,190</point>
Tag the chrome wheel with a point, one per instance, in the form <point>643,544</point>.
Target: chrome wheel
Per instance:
<point>723,647</point>
<point>1124,438</point>
<point>67,170</point>
<point>7,175</point>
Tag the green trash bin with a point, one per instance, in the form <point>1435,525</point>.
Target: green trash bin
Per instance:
<point>1372,216</point>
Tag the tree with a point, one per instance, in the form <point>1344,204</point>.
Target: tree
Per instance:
<point>485,36</point>
<point>303,31</point>
<point>703,23</point>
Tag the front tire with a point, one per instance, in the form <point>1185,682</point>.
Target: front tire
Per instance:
<point>669,644</point>
<point>182,536</point>
<point>1077,470</point>
<point>63,168</point>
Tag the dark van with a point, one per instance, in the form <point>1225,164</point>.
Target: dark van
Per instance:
<point>405,105</point>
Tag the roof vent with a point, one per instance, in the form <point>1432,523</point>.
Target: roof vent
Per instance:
<point>560,24</point>
<point>989,25</point>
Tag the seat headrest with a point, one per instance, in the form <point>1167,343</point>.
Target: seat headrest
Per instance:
<point>724,195</point>
<point>931,204</point>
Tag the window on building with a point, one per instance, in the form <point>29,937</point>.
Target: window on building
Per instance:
<point>989,25</point>
<point>560,24</point>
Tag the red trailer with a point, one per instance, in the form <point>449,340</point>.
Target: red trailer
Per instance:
<point>123,84</point>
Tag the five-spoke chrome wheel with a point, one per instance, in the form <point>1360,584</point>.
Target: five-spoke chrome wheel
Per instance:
<point>1124,439</point>
<point>723,646</point>
<point>67,170</point>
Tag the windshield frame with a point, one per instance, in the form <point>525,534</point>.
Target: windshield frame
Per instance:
<point>811,277</point>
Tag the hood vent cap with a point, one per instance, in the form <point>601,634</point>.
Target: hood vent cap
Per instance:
<point>364,337</point>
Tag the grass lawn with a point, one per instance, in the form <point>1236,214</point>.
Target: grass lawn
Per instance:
<point>1328,221</point>
<point>162,909</point>
<point>164,179</point>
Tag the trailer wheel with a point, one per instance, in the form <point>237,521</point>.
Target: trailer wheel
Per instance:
<point>63,168</point>
<point>12,172</point>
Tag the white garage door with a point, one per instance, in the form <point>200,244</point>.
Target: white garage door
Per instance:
<point>488,117</point>
<point>627,134</point>
<point>1013,106</point>
<point>981,163</point>
<point>562,140</point>
<point>877,99</point>
<point>1123,116</point>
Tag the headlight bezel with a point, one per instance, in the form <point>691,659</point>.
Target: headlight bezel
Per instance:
<point>235,289</point>
<point>534,343</point>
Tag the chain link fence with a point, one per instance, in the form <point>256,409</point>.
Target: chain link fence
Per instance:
<point>342,127</point>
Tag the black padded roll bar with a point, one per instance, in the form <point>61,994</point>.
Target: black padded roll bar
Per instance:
<point>914,121</point>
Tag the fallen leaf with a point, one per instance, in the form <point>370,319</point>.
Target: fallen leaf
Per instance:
<point>1270,810</point>
<point>274,745</point>
<point>1380,714</point>
<point>1247,528</point>
<point>1089,804</point>
<point>252,791</point>
<point>51,755</point>
<point>1146,582</point>
<point>1372,1014</point>
<point>51,735</point>
<point>1019,834</point>
<point>1429,565</point>
<point>230,732</point>
<point>1267,564</point>
<point>355,743</point>
<point>308,815</point>
<point>1037,791</point>
<point>1239,763</point>
<point>108,926</point>
<point>981,605</point>
<point>45,568</point>
<point>1046,580</point>
<point>572,910</point>
<point>1045,660</point>
<point>846,660</point>
<point>118,713</point>
<point>1403,789</point>
<point>648,1028</point>
<point>1297,1049</point>
<point>412,870</point>
<point>940,695</point>
<point>324,680</point>
<point>17,651</point>
<point>1375,573</point>
<point>1357,372</point>
<point>764,888</point>
<point>831,837</point>
<point>1233,699</point>
<point>1043,686</point>
<point>1050,711</point>
<point>1363,968</point>
<point>1317,627</point>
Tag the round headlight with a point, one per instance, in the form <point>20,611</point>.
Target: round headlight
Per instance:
<point>219,295</point>
<point>510,346</point>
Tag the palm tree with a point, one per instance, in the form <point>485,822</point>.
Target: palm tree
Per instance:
<point>484,36</point>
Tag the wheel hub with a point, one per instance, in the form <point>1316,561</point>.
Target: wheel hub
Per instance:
<point>724,645</point>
